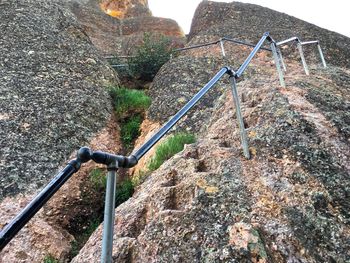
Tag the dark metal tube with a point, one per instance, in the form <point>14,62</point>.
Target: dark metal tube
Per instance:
<point>167,126</point>
<point>251,55</point>
<point>11,229</point>
<point>197,46</point>
<point>243,43</point>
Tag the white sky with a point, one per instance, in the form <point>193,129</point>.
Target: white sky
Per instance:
<point>333,15</point>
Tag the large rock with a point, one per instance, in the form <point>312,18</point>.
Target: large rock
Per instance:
<point>249,22</point>
<point>53,92</point>
<point>289,203</point>
<point>121,33</point>
<point>53,100</point>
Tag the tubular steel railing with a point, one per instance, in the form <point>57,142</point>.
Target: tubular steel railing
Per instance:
<point>113,162</point>
<point>300,45</point>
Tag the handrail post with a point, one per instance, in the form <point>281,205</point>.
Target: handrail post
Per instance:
<point>321,55</point>
<point>300,48</point>
<point>279,52</point>
<point>109,213</point>
<point>222,48</point>
<point>278,66</point>
<point>243,132</point>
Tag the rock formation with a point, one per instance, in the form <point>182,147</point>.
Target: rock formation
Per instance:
<point>54,99</point>
<point>53,92</point>
<point>124,27</point>
<point>249,22</point>
<point>289,203</point>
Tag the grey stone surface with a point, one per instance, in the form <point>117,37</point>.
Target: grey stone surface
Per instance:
<point>53,95</point>
<point>249,22</point>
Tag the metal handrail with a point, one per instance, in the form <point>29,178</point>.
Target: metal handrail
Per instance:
<point>113,162</point>
<point>301,52</point>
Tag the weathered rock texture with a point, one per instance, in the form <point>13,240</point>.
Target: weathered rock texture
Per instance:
<point>120,34</point>
<point>289,203</point>
<point>249,22</point>
<point>53,99</point>
<point>53,92</point>
<point>59,227</point>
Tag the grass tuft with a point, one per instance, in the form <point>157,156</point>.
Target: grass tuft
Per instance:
<point>130,130</point>
<point>169,148</point>
<point>50,259</point>
<point>129,100</point>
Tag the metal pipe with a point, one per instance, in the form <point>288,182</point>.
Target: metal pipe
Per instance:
<point>109,214</point>
<point>279,52</point>
<point>167,126</point>
<point>278,66</point>
<point>321,55</point>
<point>243,132</point>
<point>16,224</point>
<point>251,55</point>
<point>120,66</point>
<point>309,42</point>
<point>306,69</point>
<point>287,40</point>
<point>197,46</point>
<point>243,43</point>
<point>222,48</point>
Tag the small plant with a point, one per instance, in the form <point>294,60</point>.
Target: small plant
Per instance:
<point>150,57</point>
<point>169,148</point>
<point>98,178</point>
<point>130,130</point>
<point>50,259</point>
<point>124,191</point>
<point>129,100</point>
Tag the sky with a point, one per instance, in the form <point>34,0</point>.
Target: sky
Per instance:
<point>333,15</point>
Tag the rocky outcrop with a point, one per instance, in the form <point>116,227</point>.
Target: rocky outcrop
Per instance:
<point>249,22</point>
<point>53,92</point>
<point>121,33</point>
<point>288,203</point>
<point>53,100</point>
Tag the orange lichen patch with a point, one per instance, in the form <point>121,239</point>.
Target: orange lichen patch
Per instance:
<point>202,183</point>
<point>112,12</point>
<point>115,13</point>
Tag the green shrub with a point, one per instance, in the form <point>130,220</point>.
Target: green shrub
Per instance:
<point>98,178</point>
<point>169,148</point>
<point>130,130</point>
<point>50,259</point>
<point>124,191</point>
<point>129,100</point>
<point>150,57</point>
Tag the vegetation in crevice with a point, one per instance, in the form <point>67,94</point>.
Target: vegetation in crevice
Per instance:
<point>130,106</point>
<point>149,57</point>
<point>83,225</point>
<point>129,101</point>
<point>50,259</point>
<point>171,146</point>
<point>167,149</point>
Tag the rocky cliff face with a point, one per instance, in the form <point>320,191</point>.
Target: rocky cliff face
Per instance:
<point>249,22</point>
<point>289,203</point>
<point>116,27</point>
<point>53,99</point>
<point>53,92</point>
